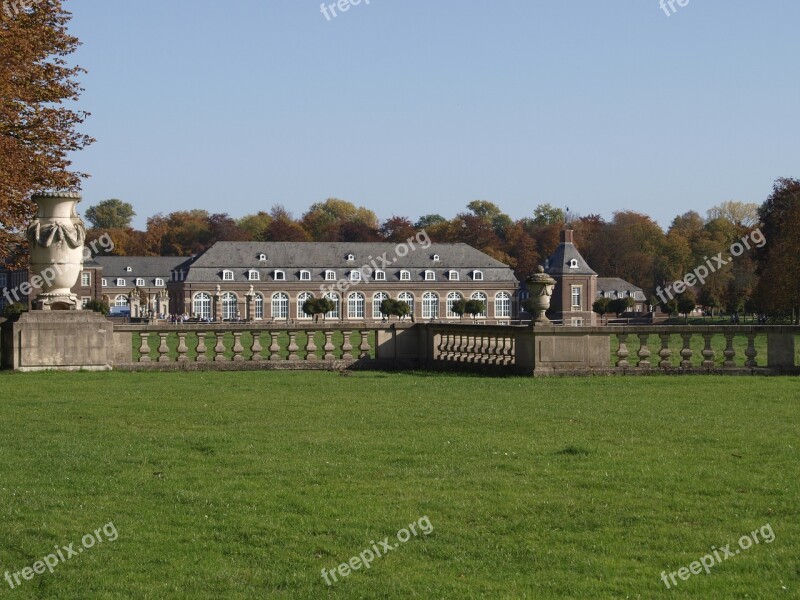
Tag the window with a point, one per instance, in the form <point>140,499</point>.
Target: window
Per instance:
<point>128,269</point>
<point>227,276</point>
<point>301,299</point>
<point>330,275</point>
<point>159,283</point>
<point>350,257</point>
<point>482,297</point>
<point>376,304</point>
<point>435,258</point>
<point>280,306</point>
<point>305,275</point>
<point>430,306</point>
<point>408,298</point>
<point>380,275</point>
<point>120,283</point>
<point>502,305</point>
<point>405,275</point>
<point>355,306</point>
<point>573,264</point>
<point>86,280</point>
<point>258,307</point>
<point>230,309</point>
<point>355,275</point>
<point>253,276</point>
<point>201,305</point>
<point>3,280</point>
<point>477,275</point>
<point>139,282</point>
<point>334,314</point>
<point>577,322</point>
<point>576,297</point>
<point>279,276</point>
<point>262,257</point>
<point>121,300</point>
<point>104,282</point>
<point>430,276</point>
<point>452,275</point>
<point>452,298</point>
<point>85,301</point>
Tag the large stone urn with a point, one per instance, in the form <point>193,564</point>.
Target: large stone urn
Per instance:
<point>540,286</point>
<point>56,238</point>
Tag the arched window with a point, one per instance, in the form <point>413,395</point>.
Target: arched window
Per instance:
<point>430,306</point>
<point>301,299</point>
<point>230,309</point>
<point>121,300</point>
<point>482,297</point>
<point>258,307</point>
<point>452,298</point>
<point>355,306</point>
<point>280,306</point>
<point>408,298</point>
<point>502,305</point>
<point>376,304</point>
<point>201,305</point>
<point>333,297</point>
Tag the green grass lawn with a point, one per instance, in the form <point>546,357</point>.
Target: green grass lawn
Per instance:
<point>248,484</point>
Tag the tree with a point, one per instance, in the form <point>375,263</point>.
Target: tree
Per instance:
<point>426,221</point>
<point>600,306</point>
<point>313,307</point>
<point>324,220</point>
<point>778,289</point>
<point>97,306</point>
<point>474,308</point>
<point>743,214</point>
<point>397,229</point>
<point>395,308</point>
<point>38,130</point>
<point>459,307</point>
<point>619,306</point>
<point>255,226</point>
<point>686,304</point>
<point>110,214</point>
<point>545,214</point>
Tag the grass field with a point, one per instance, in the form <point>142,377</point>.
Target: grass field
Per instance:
<point>248,484</point>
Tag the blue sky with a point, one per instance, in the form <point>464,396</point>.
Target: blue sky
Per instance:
<point>411,107</point>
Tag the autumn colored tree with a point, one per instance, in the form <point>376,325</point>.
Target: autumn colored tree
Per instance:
<point>324,220</point>
<point>397,229</point>
<point>283,227</point>
<point>37,129</point>
<point>255,226</point>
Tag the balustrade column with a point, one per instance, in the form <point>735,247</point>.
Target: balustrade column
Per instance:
<point>274,346</point>
<point>347,347</point>
<point>708,351</point>
<point>201,347</point>
<point>729,352</point>
<point>364,344</point>
<point>238,349</point>
<point>311,346</point>
<point>665,353</point>
<point>183,349</point>
<point>144,347</point>
<point>219,349</point>
<point>622,351</point>
<point>686,352</point>
<point>329,347</point>
<point>255,348</point>
<point>293,347</point>
<point>163,348</point>
<point>644,351</point>
<point>751,353</point>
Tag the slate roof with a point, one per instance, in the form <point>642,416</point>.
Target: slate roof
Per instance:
<point>559,261</point>
<point>148,268</point>
<point>609,285</point>
<point>292,257</point>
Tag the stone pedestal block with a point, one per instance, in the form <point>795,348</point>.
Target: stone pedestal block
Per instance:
<point>62,341</point>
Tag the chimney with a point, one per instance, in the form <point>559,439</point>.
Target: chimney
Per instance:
<point>567,236</point>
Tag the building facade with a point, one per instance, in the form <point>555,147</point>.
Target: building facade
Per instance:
<point>121,276</point>
<point>270,281</point>
<point>576,284</point>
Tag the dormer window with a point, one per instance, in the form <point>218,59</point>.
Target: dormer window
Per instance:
<point>139,282</point>
<point>305,275</point>
<point>355,275</point>
<point>330,275</point>
<point>573,264</point>
<point>452,275</point>
<point>477,275</point>
<point>279,276</point>
<point>128,269</point>
<point>351,257</point>
<point>430,276</point>
<point>380,275</point>
<point>435,258</point>
<point>104,282</point>
<point>159,283</point>
<point>253,276</point>
<point>262,257</point>
<point>227,276</point>
<point>405,275</point>
<point>120,283</point>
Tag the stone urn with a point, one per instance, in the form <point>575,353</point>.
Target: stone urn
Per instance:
<point>540,286</point>
<point>56,237</point>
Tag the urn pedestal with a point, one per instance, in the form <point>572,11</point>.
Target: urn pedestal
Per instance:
<point>540,286</point>
<point>56,239</point>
